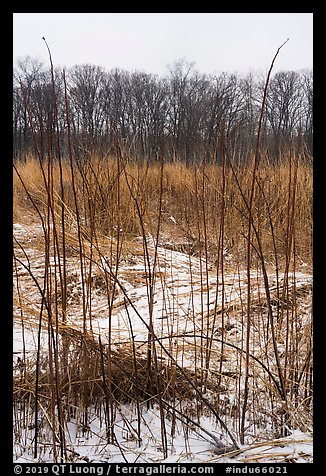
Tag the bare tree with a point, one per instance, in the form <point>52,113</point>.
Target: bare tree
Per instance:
<point>284,107</point>
<point>86,90</point>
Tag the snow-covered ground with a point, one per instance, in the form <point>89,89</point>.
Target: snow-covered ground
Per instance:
<point>189,299</point>
<point>90,445</point>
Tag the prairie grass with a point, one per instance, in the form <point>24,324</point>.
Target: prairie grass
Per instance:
<point>191,201</point>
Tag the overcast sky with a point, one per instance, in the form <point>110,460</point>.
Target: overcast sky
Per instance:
<point>150,42</point>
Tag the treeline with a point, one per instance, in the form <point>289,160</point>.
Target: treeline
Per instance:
<point>185,114</point>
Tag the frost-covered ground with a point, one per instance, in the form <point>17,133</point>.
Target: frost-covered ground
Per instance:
<point>187,299</point>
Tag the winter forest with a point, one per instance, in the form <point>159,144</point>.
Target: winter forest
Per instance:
<point>182,113</point>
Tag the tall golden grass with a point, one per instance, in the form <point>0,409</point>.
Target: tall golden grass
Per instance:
<point>191,200</point>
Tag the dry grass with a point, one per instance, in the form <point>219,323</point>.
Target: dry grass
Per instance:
<point>191,201</point>
<point>81,382</point>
